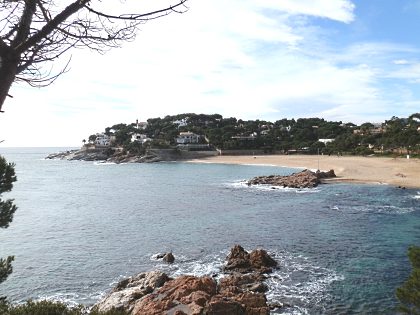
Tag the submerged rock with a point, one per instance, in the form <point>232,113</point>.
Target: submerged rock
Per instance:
<point>303,179</point>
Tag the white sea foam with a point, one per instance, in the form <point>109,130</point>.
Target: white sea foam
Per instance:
<point>380,209</point>
<point>243,185</point>
<point>104,163</point>
<point>71,299</point>
<point>300,283</point>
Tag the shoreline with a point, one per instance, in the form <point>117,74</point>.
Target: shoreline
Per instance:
<point>354,169</point>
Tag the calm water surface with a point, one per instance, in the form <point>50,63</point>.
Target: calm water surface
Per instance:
<point>82,226</point>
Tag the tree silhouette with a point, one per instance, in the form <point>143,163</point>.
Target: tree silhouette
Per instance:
<point>7,209</point>
<point>36,32</point>
<point>409,292</point>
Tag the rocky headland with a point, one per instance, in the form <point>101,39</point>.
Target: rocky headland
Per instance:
<point>240,290</point>
<point>118,155</point>
<point>303,179</point>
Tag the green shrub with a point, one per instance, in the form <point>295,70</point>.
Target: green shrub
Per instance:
<point>43,308</point>
<point>409,292</point>
<point>51,308</point>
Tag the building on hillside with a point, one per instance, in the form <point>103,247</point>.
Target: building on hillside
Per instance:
<point>140,138</point>
<point>325,141</point>
<point>181,122</point>
<point>242,137</point>
<point>141,124</point>
<point>102,139</point>
<point>187,137</point>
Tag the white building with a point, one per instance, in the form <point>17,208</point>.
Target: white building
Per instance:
<point>138,137</point>
<point>325,141</point>
<point>181,123</point>
<point>141,125</point>
<point>102,139</point>
<point>187,137</point>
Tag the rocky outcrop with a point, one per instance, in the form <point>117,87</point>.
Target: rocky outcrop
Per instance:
<point>239,260</point>
<point>166,257</point>
<point>241,291</point>
<point>128,291</point>
<point>81,155</point>
<point>303,179</point>
<point>118,155</point>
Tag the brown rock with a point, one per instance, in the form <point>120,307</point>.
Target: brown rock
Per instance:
<point>260,259</point>
<point>177,295</point>
<point>254,303</point>
<point>220,305</point>
<point>303,179</point>
<point>239,260</point>
<point>238,283</point>
<point>128,291</point>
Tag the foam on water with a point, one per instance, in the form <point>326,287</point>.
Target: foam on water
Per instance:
<point>103,163</point>
<point>242,184</point>
<point>207,266</point>
<point>300,283</point>
<point>72,299</point>
<point>378,209</point>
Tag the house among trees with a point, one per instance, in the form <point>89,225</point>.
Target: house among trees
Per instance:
<point>325,141</point>
<point>181,122</point>
<point>102,139</point>
<point>187,138</point>
<point>140,138</point>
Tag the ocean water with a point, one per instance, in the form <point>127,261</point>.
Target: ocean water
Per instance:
<point>82,226</point>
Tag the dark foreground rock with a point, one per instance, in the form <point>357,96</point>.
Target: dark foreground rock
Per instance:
<point>241,291</point>
<point>303,179</point>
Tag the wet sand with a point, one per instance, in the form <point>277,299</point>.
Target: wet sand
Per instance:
<point>392,171</point>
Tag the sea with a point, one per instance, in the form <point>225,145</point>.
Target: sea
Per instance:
<point>83,226</point>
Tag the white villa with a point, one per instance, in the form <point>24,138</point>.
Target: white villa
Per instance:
<point>187,138</point>
<point>102,139</point>
<point>181,123</point>
<point>325,141</point>
<point>138,137</point>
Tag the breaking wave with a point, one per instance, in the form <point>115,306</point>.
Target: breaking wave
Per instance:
<point>243,185</point>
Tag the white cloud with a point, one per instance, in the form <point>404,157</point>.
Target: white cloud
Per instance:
<point>401,62</point>
<point>338,10</point>
<point>248,58</point>
<point>410,72</point>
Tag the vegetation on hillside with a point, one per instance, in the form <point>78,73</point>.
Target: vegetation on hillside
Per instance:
<point>7,210</point>
<point>304,135</point>
<point>408,293</point>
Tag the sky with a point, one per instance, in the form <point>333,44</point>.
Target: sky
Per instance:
<point>341,60</point>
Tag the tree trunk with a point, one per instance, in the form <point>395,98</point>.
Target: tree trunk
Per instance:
<point>8,68</point>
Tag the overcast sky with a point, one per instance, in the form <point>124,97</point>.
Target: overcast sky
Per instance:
<point>342,60</point>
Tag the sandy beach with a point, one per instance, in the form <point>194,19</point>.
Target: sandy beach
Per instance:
<point>392,171</point>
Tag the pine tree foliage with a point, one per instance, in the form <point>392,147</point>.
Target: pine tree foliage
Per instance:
<point>409,292</point>
<point>7,209</point>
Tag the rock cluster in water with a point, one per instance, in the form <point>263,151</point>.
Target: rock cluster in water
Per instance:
<point>303,179</point>
<point>240,291</point>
